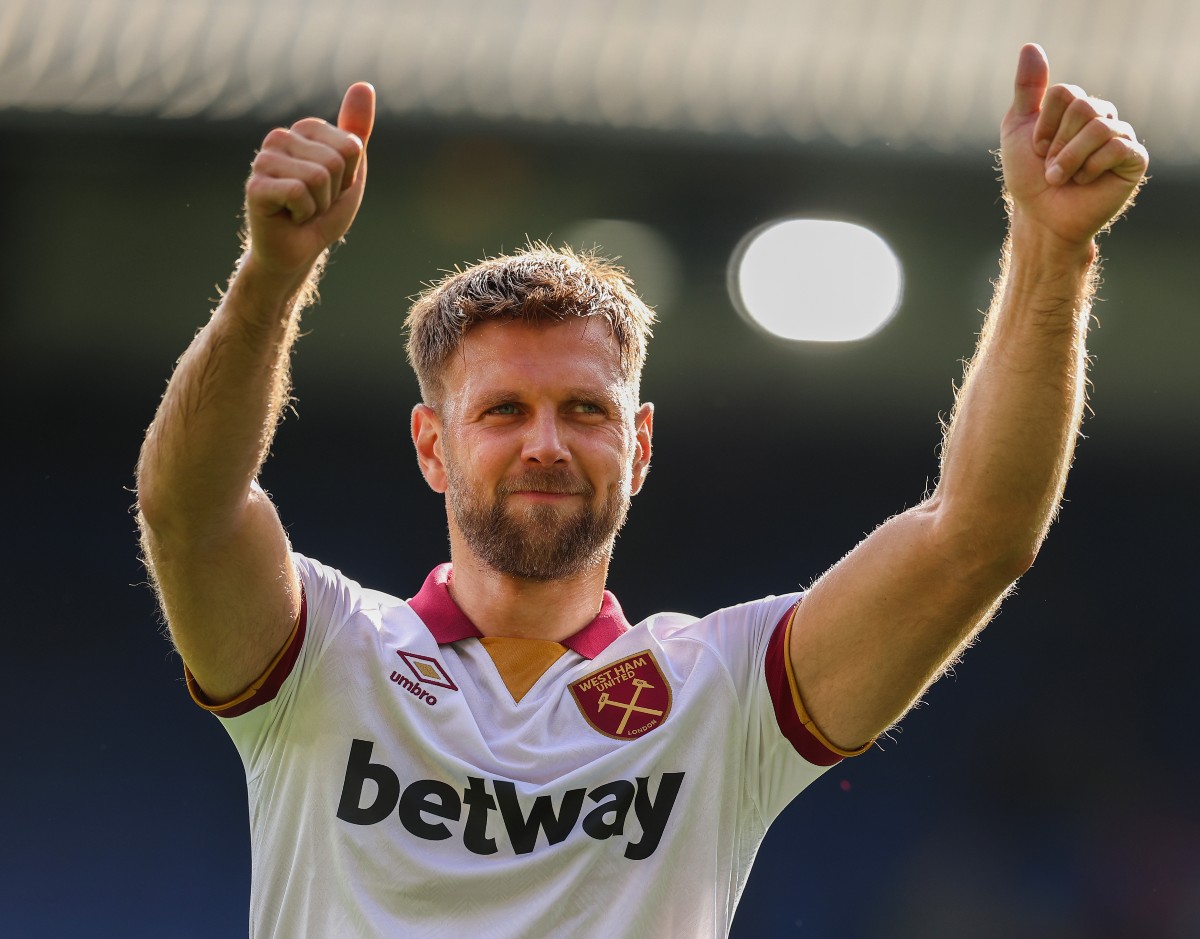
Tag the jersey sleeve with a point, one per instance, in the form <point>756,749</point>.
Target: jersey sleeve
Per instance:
<point>784,750</point>
<point>328,601</point>
<point>788,703</point>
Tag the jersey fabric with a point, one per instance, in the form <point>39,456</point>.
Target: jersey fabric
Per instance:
<point>408,777</point>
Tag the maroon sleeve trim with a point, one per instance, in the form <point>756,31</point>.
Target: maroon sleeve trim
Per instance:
<point>793,719</point>
<point>267,685</point>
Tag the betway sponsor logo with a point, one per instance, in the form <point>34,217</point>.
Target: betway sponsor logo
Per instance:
<point>425,806</point>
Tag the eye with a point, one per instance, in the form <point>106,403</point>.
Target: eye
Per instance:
<point>587,407</point>
<point>503,410</point>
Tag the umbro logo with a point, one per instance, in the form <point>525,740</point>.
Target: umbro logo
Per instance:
<point>423,669</point>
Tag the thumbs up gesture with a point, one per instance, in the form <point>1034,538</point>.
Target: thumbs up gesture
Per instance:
<point>306,185</point>
<point>1071,166</point>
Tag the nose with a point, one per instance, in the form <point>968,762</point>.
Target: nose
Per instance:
<point>544,442</point>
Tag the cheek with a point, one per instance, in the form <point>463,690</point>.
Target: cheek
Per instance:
<point>477,460</point>
<point>615,459</point>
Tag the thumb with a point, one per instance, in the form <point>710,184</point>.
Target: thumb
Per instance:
<point>1033,75</point>
<point>357,114</point>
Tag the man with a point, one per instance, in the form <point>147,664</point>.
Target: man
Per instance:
<point>502,754</point>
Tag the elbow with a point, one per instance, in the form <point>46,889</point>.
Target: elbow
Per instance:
<point>154,508</point>
<point>992,551</point>
<point>149,505</point>
<point>1012,566</point>
<point>172,513</point>
<point>179,506</point>
<point>157,524</point>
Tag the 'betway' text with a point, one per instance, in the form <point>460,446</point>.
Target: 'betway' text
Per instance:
<point>424,808</point>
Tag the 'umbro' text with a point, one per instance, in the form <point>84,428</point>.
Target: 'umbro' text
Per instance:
<point>414,688</point>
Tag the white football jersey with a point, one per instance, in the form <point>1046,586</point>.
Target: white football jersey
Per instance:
<point>408,777</point>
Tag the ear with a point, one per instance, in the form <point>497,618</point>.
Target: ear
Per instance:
<point>643,428</point>
<point>427,438</point>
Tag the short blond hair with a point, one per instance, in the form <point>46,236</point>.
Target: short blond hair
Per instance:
<point>537,284</point>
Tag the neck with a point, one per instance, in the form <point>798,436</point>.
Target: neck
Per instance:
<point>500,605</point>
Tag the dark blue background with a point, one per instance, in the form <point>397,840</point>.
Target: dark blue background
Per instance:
<point>1044,789</point>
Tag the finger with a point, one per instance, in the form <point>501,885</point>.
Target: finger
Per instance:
<point>314,141</point>
<point>1121,156</point>
<point>1078,149</point>
<point>357,114</point>
<point>274,163</point>
<point>1057,102</point>
<point>1033,75</point>
<point>357,117</point>
<point>1079,112</point>
<point>1085,127</point>
<point>270,195</point>
<point>348,145</point>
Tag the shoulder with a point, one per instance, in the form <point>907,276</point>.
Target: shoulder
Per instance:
<point>734,641</point>
<point>336,603</point>
<point>321,581</point>
<point>742,621</point>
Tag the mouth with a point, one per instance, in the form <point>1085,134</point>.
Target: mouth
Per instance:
<point>546,488</point>
<point>538,495</point>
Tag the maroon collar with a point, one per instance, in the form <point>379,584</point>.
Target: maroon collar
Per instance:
<point>448,623</point>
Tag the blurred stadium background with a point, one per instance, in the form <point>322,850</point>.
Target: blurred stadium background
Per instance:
<point>1046,790</point>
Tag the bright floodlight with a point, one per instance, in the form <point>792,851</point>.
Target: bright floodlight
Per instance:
<point>816,280</point>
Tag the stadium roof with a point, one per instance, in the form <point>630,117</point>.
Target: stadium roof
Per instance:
<point>908,73</point>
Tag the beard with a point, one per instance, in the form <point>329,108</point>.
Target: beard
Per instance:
<point>544,542</point>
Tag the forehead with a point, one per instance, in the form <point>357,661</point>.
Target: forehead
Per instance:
<point>513,355</point>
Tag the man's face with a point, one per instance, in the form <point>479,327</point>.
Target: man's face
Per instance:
<point>541,447</point>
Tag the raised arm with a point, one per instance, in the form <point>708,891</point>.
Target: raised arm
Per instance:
<point>884,622</point>
<point>211,537</point>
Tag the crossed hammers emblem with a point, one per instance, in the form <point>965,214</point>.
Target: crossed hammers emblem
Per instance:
<point>631,705</point>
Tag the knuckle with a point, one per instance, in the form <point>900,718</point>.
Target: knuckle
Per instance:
<point>1108,129</point>
<point>308,125</point>
<point>331,161</point>
<point>262,161</point>
<point>1064,95</point>
<point>277,137</point>
<point>316,176</point>
<point>295,189</point>
<point>1084,108</point>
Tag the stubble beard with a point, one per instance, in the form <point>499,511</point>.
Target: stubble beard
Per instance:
<point>542,542</point>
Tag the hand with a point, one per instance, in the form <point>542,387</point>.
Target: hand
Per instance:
<point>306,185</point>
<point>1069,164</point>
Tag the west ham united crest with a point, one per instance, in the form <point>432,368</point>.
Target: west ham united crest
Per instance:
<point>626,699</point>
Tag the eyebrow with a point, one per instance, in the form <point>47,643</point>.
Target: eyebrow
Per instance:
<point>493,398</point>
<point>584,394</point>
